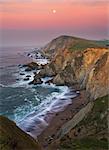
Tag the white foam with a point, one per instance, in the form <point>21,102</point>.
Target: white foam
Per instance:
<point>56,102</point>
<point>35,122</point>
<point>41,61</point>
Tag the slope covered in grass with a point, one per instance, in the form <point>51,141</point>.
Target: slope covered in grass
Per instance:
<point>13,138</point>
<point>71,43</point>
<point>92,132</point>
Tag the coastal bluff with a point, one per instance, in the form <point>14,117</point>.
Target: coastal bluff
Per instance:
<point>78,61</point>
<point>13,138</point>
<point>84,66</point>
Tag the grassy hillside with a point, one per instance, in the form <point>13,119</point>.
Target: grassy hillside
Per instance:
<point>13,138</point>
<point>103,43</point>
<point>82,44</point>
<point>92,132</point>
<point>72,43</point>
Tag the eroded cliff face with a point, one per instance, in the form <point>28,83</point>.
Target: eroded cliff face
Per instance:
<point>75,61</point>
<point>13,138</point>
<point>88,68</point>
<point>98,79</point>
<point>83,63</point>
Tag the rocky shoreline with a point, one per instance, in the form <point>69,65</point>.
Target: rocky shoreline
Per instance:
<point>82,65</point>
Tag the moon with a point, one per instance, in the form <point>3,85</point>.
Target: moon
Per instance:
<point>54,11</point>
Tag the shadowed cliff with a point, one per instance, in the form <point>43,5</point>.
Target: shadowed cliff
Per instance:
<point>13,138</point>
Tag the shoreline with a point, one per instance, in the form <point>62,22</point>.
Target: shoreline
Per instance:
<point>49,134</point>
<point>34,124</point>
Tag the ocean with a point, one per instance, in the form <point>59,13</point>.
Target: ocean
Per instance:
<point>30,106</point>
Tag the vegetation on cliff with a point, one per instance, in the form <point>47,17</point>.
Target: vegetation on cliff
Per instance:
<point>13,138</point>
<point>74,61</point>
<point>72,43</point>
<point>85,63</point>
<point>92,132</point>
<point>88,68</point>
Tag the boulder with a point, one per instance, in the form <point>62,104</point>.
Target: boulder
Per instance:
<point>47,72</point>
<point>32,66</point>
<point>37,80</point>
<point>22,74</point>
<point>28,69</point>
<point>26,79</point>
<point>28,76</point>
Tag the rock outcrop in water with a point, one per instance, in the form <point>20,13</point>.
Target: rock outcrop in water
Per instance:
<point>13,138</point>
<point>32,66</point>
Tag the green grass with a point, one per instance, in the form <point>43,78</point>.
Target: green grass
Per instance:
<point>100,108</point>
<point>79,45</point>
<point>96,127</point>
<point>103,43</point>
<point>85,144</point>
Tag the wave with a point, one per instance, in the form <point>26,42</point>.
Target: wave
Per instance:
<point>39,117</point>
<point>35,122</point>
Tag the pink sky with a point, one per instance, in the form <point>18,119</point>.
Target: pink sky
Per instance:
<point>34,20</point>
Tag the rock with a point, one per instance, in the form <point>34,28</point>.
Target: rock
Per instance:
<point>28,54</point>
<point>22,74</point>
<point>28,76</point>
<point>17,79</point>
<point>49,81</point>
<point>98,80</point>
<point>26,79</point>
<point>37,80</point>
<point>65,77</point>
<point>31,66</point>
<point>20,65</point>
<point>12,137</point>
<point>47,72</point>
<point>28,69</point>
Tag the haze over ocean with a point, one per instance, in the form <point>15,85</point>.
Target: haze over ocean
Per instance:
<point>33,22</point>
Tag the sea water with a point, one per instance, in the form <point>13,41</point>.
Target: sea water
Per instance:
<point>28,105</point>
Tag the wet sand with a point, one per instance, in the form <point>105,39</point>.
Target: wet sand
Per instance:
<point>48,136</point>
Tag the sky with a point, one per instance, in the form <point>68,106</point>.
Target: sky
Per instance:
<point>35,22</point>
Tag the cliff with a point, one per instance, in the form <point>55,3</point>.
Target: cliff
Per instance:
<point>68,42</point>
<point>82,63</point>
<point>78,61</point>
<point>13,138</point>
<point>88,68</point>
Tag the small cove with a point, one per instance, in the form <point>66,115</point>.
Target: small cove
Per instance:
<point>30,106</point>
